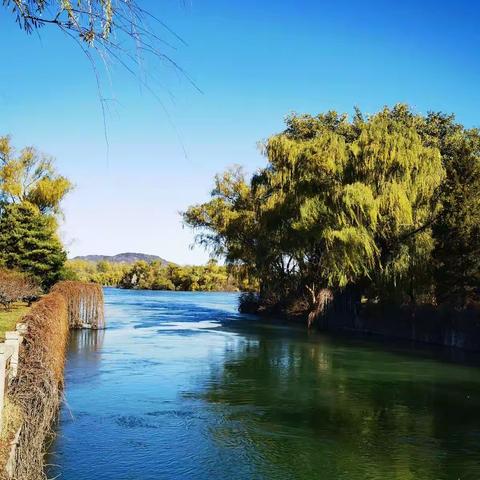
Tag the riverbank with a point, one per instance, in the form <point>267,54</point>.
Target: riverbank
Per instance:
<point>436,325</point>
<point>36,390</point>
<point>35,376</point>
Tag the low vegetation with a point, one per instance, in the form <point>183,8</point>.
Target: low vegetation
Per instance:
<point>16,287</point>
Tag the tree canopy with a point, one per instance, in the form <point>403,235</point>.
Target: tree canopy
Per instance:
<point>30,177</point>
<point>372,203</point>
<point>29,243</point>
<point>158,276</point>
<point>31,192</point>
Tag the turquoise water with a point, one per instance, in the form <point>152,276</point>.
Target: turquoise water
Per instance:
<point>180,386</point>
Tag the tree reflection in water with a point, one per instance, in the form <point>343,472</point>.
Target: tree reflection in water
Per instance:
<point>310,409</point>
<point>85,341</point>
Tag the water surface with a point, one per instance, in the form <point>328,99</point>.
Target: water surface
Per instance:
<point>180,386</point>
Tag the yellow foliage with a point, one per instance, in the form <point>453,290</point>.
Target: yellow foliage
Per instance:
<point>337,203</point>
<point>30,177</point>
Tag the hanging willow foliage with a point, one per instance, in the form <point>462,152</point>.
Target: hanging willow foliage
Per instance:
<point>85,303</point>
<point>339,204</point>
<point>120,32</point>
<point>37,389</point>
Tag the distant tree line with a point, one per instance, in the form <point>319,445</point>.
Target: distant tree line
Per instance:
<point>159,276</point>
<point>383,207</point>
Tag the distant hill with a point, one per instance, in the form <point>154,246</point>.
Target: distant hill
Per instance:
<point>127,257</point>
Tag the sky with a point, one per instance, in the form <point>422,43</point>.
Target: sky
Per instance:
<point>254,62</point>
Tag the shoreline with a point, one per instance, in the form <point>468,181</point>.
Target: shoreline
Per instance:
<point>425,324</point>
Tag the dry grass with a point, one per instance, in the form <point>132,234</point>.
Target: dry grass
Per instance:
<point>12,421</point>
<point>37,389</point>
<point>12,418</point>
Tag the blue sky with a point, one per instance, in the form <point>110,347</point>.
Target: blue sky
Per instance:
<point>255,62</point>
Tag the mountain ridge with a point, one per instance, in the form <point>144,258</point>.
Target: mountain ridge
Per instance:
<point>126,257</point>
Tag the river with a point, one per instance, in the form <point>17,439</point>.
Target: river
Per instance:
<point>181,386</point>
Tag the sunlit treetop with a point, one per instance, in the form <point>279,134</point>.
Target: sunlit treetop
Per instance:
<point>29,176</point>
<point>339,202</point>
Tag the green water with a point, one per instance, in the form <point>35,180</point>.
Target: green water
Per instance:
<point>182,387</point>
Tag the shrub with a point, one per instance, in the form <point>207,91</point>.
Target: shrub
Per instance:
<point>15,287</point>
<point>249,302</point>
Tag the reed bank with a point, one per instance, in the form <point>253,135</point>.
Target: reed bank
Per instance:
<point>35,388</point>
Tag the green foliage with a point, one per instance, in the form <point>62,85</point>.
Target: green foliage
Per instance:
<point>387,203</point>
<point>157,276</point>
<point>30,194</point>
<point>454,271</point>
<point>29,243</point>
<point>457,229</point>
<point>104,273</point>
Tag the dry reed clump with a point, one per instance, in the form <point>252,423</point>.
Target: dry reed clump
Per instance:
<point>37,389</point>
<point>85,303</point>
<point>12,421</point>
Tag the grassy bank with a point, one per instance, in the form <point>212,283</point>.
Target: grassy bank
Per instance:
<point>9,318</point>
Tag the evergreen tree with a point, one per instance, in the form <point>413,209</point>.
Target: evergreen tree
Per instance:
<point>29,242</point>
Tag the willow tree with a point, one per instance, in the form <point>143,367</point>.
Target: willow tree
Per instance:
<point>29,176</point>
<point>228,224</point>
<point>119,32</point>
<point>457,226</point>
<point>404,176</point>
<point>340,203</point>
<point>356,201</point>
